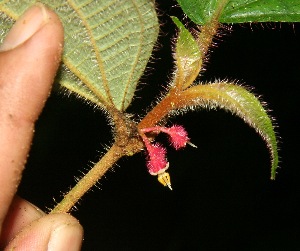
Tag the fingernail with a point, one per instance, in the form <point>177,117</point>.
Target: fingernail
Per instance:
<point>25,27</point>
<point>66,237</point>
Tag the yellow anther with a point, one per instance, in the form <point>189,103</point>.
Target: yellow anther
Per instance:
<point>164,178</point>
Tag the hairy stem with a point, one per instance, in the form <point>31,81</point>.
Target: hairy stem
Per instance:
<point>209,30</point>
<point>127,143</point>
<point>89,180</point>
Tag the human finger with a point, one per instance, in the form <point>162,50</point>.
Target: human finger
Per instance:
<point>20,213</point>
<point>29,58</point>
<point>54,232</point>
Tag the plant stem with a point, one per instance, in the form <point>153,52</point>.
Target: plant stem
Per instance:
<point>209,30</point>
<point>89,180</point>
<point>124,146</point>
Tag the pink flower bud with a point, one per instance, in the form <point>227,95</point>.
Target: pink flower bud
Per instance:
<point>178,136</point>
<point>157,162</point>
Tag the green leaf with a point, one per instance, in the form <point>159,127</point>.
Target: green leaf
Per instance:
<point>239,101</point>
<point>188,57</point>
<point>107,45</point>
<point>241,11</point>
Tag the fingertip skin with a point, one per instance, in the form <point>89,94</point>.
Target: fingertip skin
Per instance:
<point>20,214</point>
<point>28,71</point>
<point>26,75</point>
<point>51,232</point>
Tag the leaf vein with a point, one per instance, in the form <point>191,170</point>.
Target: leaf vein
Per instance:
<point>98,56</point>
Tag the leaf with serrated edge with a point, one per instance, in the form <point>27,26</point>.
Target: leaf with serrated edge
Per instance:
<point>187,55</point>
<point>239,101</point>
<point>107,45</point>
<point>241,11</point>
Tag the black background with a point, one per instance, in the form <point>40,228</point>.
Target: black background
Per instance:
<point>223,198</point>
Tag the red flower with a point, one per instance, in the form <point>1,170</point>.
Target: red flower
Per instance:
<point>178,136</point>
<point>157,162</point>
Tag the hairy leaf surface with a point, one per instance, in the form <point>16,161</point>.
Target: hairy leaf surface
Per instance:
<point>107,45</point>
<point>240,11</point>
<point>239,101</point>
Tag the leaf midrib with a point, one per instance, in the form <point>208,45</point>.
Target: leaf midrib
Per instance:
<point>98,57</point>
<point>137,55</point>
